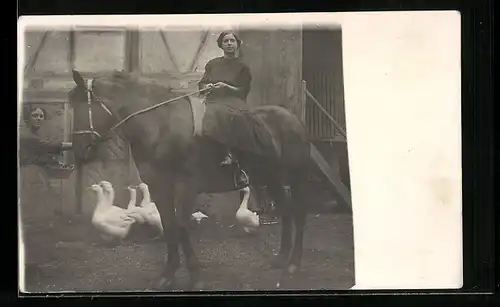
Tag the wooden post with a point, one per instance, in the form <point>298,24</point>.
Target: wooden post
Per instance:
<point>66,129</point>
<point>132,50</point>
<point>303,101</point>
<point>79,186</point>
<point>71,49</point>
<point>67,185</point>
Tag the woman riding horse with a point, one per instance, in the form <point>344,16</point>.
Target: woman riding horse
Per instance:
<point>228,80</point>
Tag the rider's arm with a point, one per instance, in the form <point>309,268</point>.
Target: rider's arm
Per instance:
<point>205,80</point>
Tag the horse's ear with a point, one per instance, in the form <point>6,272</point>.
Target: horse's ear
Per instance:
<point>77,77</point>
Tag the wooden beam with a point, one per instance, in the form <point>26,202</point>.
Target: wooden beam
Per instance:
<point>303,101</point>
<point>99,29</point>
<point>201,46</point>
<point>338,187</point>
<point>68,76</point>
<point>71,50</point>
<point>32,61</point>
<point>132,50</point>
<point>169,51</point>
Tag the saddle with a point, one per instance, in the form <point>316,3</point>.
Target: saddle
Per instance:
<point>244,131</point>
<point>198,109</point>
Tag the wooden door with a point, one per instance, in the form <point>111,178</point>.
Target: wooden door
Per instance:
<point>323,73</point>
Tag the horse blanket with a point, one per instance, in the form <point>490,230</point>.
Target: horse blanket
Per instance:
<point>232,123</point>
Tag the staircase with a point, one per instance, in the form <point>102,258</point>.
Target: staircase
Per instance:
<point>332,177</point>
<point>336,186</point>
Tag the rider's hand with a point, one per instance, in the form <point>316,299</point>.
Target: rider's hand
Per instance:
<point>220,85</point>
<point>206,89</point>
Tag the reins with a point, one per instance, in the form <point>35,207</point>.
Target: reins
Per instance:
<point>121,122</point>
<point>154,107</point>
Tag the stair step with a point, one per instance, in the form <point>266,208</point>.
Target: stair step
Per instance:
<point>334,178</point>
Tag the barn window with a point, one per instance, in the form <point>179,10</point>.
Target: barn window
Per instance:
<point>99,50</point>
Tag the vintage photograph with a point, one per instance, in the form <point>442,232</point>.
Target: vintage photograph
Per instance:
<point>184,158</point>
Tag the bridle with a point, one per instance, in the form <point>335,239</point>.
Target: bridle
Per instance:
<point>91,129</point>
<point>98,136</point>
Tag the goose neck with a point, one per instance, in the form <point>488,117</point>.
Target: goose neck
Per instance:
<point>132,201</point>
<point>101,200</point>
<point>146,197</point>
<point>246,196</point>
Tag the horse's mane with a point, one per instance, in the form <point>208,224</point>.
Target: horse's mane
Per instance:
<point>137,85</point>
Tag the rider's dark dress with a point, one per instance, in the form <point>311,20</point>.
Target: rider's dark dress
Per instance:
<point>228,118</point>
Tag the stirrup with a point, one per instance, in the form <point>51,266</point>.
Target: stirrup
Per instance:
<point>241,179</point>
<point>228,160</point>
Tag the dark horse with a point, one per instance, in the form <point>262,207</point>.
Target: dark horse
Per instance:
<point>177,165</point>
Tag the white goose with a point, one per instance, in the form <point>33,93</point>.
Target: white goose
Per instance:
<point>111,221</point>
<point>109,193</point>
<point>248,219</point>
<point>153,216</point>
<point>138,213</point>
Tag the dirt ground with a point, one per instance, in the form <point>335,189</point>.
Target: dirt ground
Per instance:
<point>231,259</point>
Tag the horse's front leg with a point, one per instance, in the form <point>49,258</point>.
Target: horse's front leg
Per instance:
<point>186,199</point>
<point>282,201</point>
<point>162,191</point>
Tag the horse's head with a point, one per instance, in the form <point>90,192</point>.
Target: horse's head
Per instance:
<point>101,103</point>
<point>94,104</point>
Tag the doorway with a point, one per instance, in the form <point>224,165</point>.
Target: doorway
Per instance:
<point>323,73</point>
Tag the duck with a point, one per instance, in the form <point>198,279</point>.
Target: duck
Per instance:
<point>138,213</point>
<point>152,213</point>
<point>111,221</point>
<point>247,218</point>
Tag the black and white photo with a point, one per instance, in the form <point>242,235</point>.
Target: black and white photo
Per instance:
<point>201,153</point>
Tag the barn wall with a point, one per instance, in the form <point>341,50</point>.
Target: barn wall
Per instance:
<point>51,55</point>
<point>323,72</point>
<point>177,57</point>
<point>275,60</point>
<point>48,60</point>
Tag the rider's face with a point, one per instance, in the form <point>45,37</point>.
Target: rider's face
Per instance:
<point>229,43</point>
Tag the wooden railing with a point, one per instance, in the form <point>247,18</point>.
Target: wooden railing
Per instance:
<point>305,95</point>
<point>324,111</point>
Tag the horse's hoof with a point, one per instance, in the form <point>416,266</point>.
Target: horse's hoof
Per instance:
<point>278,261</point>
<point>194,286</point>
<point>165,283</point>
<point>292,269</point>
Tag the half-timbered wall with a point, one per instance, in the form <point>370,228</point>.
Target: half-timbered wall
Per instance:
<point>176,56</point>
<point>49,58</point>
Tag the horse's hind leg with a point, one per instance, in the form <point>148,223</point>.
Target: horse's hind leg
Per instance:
<point>282,201</point>
<point>299,212</point>
<point>162,191</point>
